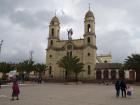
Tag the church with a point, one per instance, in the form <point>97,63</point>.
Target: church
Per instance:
<point>85,49</point>
<point>96,67</point>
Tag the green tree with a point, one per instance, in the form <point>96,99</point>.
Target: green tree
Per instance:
<point>133,62</point>
<point>66,63</point>
<point>71,65</point>
<point>5,68</point>
<point>20,68</point>
<point>77,67</point>
<point>40,69</point>
<point>26,66</point>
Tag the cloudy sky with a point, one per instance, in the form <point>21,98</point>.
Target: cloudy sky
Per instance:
<point>24,26</point>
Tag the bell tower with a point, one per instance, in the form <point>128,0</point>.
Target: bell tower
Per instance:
<point>54,30</point>
<point>89,28</point>
<point>89,52</point>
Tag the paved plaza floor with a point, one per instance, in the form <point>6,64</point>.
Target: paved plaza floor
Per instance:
<point>60,94</point>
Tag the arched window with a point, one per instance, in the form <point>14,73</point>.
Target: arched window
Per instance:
<point>69,50</point>
<point>50,56</point>
<point>88,54</point>
<point>88,39</point>
<point>67,53</point>
<point>58,32</point>
<point>50,70</point>
<point>52,32</point>
<point>51,42</point>
<point>89,28</point>
<point>70,53</point>
<point>89,70</point>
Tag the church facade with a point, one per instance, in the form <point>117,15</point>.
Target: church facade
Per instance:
<point>85,49</point>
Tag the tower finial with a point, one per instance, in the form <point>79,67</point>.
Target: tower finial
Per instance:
<point>89,6</point>
<point>55,12</point>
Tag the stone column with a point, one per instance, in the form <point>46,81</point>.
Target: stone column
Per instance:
<point>117,74</point>
<point>102,74</point>
<point>109,74</point>
<point>135,75</point>
<point>95,75</point>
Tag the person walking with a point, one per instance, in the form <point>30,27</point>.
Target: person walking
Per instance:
<point>0,83</point>
<point>40,80</point>
<point>15,89</point>
<point>123,88</point>
<point>117,87</point>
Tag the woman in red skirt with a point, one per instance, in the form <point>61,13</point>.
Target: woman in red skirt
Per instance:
<point>15,89</point>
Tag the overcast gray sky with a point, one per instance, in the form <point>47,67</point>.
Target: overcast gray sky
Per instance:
<point>24,26</point>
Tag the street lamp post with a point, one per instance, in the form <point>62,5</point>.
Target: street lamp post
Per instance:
<point>1,45</point>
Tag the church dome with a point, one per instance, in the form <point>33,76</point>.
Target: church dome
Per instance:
<point>55,19</point>
<point>89,14</point>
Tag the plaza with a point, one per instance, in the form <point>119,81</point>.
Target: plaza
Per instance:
<point>60,94</point>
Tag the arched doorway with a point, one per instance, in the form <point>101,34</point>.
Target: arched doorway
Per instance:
<point>132,75</point>
<point>105,73</point>
<point>98,74</point>
<point>113,74</point>
<point>121,74</point>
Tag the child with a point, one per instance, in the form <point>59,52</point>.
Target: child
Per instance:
<point>129,90</point>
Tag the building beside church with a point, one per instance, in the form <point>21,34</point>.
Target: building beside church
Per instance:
<point>104,58</point>
<point>85,49</point>
<point>113,71</point>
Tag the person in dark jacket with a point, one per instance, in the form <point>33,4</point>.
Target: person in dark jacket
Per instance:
<point>0,83</point>
<point>40,80</point>
<point>123,88</point>
<point>117,87</point>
